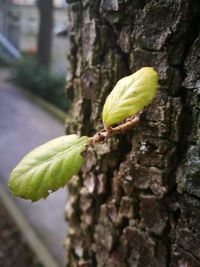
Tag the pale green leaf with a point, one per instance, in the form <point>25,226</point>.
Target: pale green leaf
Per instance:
<point>130,95</point>
<point>48,167</point>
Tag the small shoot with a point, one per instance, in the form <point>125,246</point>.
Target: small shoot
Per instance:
<point>50,166</point>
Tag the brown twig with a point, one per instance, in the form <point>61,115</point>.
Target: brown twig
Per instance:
<point>104,134</point>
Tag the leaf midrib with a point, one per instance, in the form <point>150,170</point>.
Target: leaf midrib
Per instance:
<point>52,158</point>
<point>114,108</point>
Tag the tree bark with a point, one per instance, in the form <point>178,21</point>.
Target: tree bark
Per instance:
<point>45,31</point>
<point>136,201</point>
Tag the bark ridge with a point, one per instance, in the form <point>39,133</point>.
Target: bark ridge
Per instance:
<point>137,200</point>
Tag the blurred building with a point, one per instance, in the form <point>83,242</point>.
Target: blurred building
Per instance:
<point>57,3</point>
<point>24,2</point>
<point>9,22</point>
<point>19,23</point>
<point>20,17</point>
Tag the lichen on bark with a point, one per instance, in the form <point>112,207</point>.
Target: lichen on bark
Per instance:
<point>136,201</point>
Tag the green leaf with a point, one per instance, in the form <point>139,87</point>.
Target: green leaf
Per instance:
<point>48,167</point>
<point>130,95</point>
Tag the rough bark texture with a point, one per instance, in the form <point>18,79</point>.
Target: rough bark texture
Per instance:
<point>137,200</point>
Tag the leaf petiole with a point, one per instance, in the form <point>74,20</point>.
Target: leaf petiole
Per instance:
<point>104,134</point>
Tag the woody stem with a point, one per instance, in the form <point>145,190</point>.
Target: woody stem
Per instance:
<point>107,133</point>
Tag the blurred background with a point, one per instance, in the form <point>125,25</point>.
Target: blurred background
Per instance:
<point>33,107</point>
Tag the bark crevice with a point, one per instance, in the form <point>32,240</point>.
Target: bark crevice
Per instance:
<point>132,198</point>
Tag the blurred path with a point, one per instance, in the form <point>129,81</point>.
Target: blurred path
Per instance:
<point>23,126</point>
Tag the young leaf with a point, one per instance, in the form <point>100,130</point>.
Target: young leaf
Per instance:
<point>48,167</point>
<point>130,95</point>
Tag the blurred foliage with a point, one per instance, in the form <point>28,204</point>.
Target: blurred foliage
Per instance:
<point>3,62</point>
<point>41,81</point>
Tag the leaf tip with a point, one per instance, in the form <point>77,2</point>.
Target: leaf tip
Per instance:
<point>130,95</point>
<point>48,167</point>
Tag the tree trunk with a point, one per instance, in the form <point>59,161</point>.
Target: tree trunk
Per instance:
<point>137,199</point>
<point>45,31</point>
